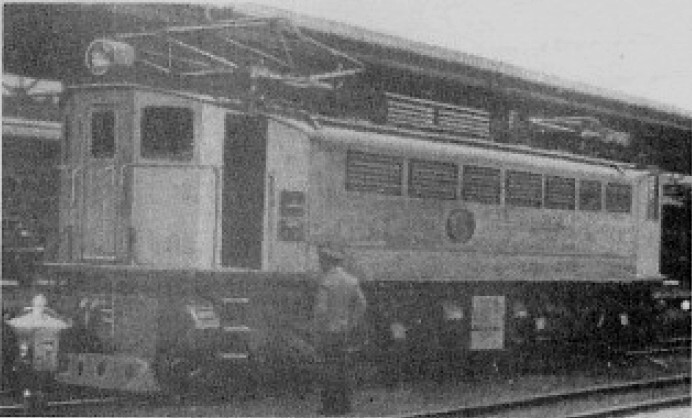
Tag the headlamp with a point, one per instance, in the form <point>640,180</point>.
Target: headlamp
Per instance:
<point>102,54</point>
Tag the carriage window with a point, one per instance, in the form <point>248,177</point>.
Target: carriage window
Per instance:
<point>590,195</point>
<point>524,189</point>
<point>374,173</point>
<point>167,133</point>
<point>618,197</point>
<point>432,179</point>
<point>103,134</point>
<point>481,184</point>
<point>559,192</point>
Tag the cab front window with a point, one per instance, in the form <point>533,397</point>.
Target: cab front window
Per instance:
<point>167,133</point>
<point>103,134</point>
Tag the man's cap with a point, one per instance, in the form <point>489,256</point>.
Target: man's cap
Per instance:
<point>332,250</point>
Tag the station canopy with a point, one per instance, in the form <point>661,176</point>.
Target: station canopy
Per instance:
<point>48,41</point>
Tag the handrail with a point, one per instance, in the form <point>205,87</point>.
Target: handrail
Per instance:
<point>172,165</point>
<point>118,173</point>
<point>102,183</point>
<point>73,191</point>
<point>216,171</point>
<point>74,170</point>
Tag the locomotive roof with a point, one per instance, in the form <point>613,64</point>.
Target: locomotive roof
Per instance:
<point>411,144</point>
<point>408,146</point>
<point>396,140</point>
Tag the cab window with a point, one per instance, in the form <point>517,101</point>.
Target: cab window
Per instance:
<point>618,198</point>
<point>167,133</point>
<point>103,134</point>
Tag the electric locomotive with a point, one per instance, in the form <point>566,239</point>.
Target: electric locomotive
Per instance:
<point>190,222</point>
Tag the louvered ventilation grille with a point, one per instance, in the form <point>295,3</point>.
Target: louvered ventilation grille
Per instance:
<point>432,179</point>
<point>373,173</point>
<point>618,198</point>
<point>590,195</point>
<point>481,184</point>
<point>428,114</point>
<point>524,189</point>
<point>559,192</point>
<point>403,112</point>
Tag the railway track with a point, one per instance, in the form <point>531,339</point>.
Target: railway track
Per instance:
<point>593,402</point>
<point>94,404</point>
<point>635,408</point>
<point>662,354</point>
<point>63,406</point>
<point>670,346</point>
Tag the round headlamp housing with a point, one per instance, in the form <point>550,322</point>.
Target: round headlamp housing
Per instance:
<point>102,54</point>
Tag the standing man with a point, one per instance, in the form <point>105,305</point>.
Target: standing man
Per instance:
<point>339,307</point>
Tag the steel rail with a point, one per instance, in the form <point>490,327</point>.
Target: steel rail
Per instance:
<point>653,351</point>
<point>670,346</point>
<point>547,400</point>
<point>627,410</point>
<point>16,409</point>
<point>550,398</point>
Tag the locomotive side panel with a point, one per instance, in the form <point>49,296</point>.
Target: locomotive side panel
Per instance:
<point>162,198</point>
<point>396,237</point>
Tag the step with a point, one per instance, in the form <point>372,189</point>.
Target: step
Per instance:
<point>237,328</point>
<point>233,356</point>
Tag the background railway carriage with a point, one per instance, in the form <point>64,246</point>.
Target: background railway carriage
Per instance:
<point>189,230</point>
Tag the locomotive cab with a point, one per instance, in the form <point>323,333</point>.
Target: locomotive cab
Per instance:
<point>164,197</point>
<point>171,181</point>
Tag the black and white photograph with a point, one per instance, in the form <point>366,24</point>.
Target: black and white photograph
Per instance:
<point>347,208</point>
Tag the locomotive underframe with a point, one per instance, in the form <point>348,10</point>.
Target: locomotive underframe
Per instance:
<point>170,329</point>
